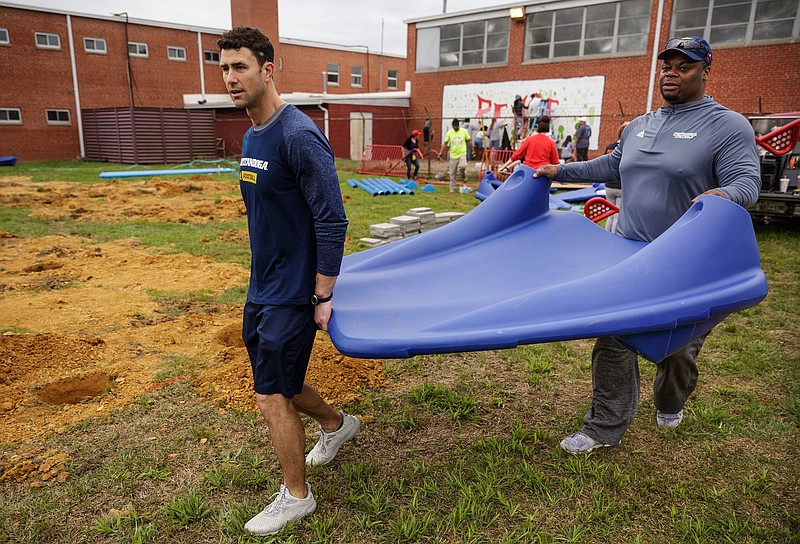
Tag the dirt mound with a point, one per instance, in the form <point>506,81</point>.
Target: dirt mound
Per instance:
<point>87,327</point>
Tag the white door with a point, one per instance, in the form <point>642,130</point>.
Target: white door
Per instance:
<point>360,133</point>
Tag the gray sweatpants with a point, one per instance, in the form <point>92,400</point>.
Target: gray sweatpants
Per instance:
<point>615,387</point>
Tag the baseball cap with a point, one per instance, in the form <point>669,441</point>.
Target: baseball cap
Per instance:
<point>694,47</point>
<point>415,133</point>
<point>583,120</point>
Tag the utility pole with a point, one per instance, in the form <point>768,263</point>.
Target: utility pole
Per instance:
<point>128,56</point>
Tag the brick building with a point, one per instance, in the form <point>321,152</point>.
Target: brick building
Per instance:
<point>598,58</point>
<point>58,64</point>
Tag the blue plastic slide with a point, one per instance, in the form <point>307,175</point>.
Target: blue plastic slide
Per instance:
<point>514,272</point>
<point>582,195</point>
<point>489,184</point>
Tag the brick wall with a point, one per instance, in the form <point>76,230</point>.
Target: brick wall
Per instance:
<point>37,79</point>
<point>751,80</point>
<point>300,69</point>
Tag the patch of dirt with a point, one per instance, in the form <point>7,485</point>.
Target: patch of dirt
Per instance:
<point>83,335</point>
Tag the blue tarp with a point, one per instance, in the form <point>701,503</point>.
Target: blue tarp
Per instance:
<point>513,272</point>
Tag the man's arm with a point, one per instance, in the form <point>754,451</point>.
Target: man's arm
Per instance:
<point>323,288</point>
<point>736,163</point>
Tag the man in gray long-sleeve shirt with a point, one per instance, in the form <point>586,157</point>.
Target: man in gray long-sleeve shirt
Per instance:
<point>665,160</point>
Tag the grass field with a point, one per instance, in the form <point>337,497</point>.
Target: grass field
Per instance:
<point>459,448</point>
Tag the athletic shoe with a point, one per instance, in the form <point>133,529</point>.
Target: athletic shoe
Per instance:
<point>283,510</point>
<point>328,444</point>
<point>581,443</point>
<point>669,420</point>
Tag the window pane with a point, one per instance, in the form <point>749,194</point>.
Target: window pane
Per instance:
<point>449,46</point>
<point>775,9</point>
<point>597,47</point>
<point>634,25</point>
<point>634,7</point>
<point>472,57</point>
<point>497,55</point>
<point>569,49</point>
<point>497,25</point>
<point>567,16</point>
<point>4,35</point>
<point>772,30</point>
<point>601,12</point>
<point>690,4</point>
<point>728,34</point>
<point>540,35</point>
<point>629,44</point>
<point>539,52</point>
<point>427,48</point>
<point>451,31</point>
<point>473,44</point>
<point>600,30</point>
<point>571,32</point>
<point>450,59</point>
<point>730,14</point>
<point>496,41</point>
<point>474,29</point>
<point>693,18</point>
<point>540,20</point>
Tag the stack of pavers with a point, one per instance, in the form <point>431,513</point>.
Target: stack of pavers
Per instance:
<point>415,221</point>
<point>427,218</point>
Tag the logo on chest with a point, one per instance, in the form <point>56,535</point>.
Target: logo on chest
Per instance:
<point>249,177</point>
<point>684,135</point>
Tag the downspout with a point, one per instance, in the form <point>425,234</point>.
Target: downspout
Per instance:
<point>75,88</point>
<point>656,47</point>
<point>201,60</point>
<point>325,123</point>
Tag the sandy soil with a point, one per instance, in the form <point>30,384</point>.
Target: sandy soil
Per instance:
<point>83,333</point>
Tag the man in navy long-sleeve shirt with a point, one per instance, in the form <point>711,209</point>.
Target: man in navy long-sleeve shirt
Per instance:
<point>665,160</point>
<point>297,228</point>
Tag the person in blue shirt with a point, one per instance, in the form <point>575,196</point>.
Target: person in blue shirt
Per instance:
<point>666,160</point>
<point>297,226</point>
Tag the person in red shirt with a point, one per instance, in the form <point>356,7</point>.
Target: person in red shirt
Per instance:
<point>536,150</point>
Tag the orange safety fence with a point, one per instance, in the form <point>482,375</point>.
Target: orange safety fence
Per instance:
<point>384,160</point>
<point>492,160</point>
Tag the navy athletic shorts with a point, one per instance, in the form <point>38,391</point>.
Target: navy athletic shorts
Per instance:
<point>278,340</point>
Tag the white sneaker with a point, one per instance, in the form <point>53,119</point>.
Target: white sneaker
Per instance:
<point>669,420</point>
<point>581,443</point>
<point>328,444</point>
<point>285,509</point>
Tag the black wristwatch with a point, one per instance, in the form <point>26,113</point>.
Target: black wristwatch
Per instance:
<point>316,300</point>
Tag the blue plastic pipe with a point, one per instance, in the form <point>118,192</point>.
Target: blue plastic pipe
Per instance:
<point>138,173</point>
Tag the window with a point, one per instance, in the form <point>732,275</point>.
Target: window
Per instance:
<point>391,81</point>
<point>95,45</point>
<point>10,116</point>
<point>474,43</point>
<point>211,57</point>
<point>57,117</point>
<point>736,21</point>
<point>136,49</point>
<point>4,40</point>
<point>333,74</point>
<point>176,53</point>
<point>45,40</point>
<point>355,76</point>
<point>600,29</point>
